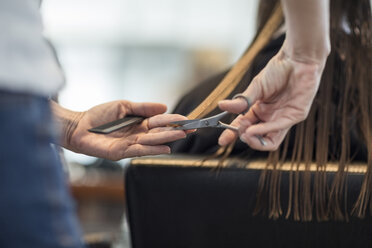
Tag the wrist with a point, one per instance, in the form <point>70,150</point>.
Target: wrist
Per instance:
<point>314,53</point>
<point>67,122</point>
<point>308,24</point>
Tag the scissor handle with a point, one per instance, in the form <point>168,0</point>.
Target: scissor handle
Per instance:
<point>249,103</point>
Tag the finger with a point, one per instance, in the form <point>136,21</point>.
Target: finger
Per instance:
<point>263,128</point>
<point>169,128</point>
<point>143,150</point>
<point>239,105</point>
<point>163,120</point>
<point>266,136</point>
<point>236,106</point>
<point>229,136</point>
<point>161,137</point>
<point>145,108</point>
<point>249,118</point>
<point>272,140</point>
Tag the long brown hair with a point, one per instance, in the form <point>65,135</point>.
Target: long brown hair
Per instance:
<point>342,106</point>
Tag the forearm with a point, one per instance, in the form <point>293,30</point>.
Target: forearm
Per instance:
<point>307,23</point>
<point>67,121</point>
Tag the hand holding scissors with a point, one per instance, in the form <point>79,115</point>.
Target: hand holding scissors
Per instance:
<point>280,95</point>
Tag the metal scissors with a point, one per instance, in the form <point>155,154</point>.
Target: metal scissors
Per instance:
<point>213,122</point>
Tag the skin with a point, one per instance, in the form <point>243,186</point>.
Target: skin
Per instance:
<point>146,138</point>
<point>283,92</point>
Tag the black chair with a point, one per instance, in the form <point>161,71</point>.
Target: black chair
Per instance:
<point>174,203</point>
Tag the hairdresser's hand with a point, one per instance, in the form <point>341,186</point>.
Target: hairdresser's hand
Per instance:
<point>281,96</point>
<point>145,138</point>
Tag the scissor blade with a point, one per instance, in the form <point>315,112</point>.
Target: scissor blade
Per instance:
<point>193,124</point>
<point>180,123</point>
<point>212,121</point>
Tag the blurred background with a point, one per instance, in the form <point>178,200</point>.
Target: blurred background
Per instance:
<point>143,50</point>
<point>139,50</point>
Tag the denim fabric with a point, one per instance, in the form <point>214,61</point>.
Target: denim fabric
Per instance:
<point>36,209</point>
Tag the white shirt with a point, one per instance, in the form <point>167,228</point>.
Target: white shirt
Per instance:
<point>27,62</point>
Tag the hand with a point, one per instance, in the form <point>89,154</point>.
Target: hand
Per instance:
<point>281,96</point>
<point>137,140</point>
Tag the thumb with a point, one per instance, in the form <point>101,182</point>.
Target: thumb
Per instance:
<point>243,101</point>
<point>235,106</point>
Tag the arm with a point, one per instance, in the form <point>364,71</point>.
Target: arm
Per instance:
<point>283,92</point>
<point>146,138</point>
<point>307,36</point>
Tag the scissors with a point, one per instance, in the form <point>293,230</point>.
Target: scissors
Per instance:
<point>213,122</point>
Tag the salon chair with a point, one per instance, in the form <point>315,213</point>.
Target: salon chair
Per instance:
<point>174,202</point>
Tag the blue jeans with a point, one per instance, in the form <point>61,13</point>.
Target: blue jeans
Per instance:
<point>36,209</point>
